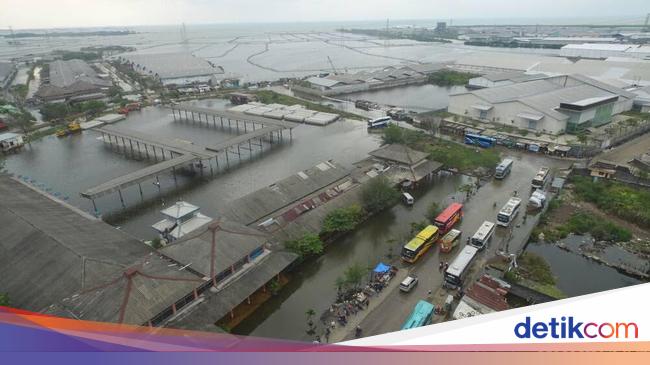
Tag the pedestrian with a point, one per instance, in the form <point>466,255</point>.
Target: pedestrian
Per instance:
<point>333,324</point>
<point>446,266</point>
<point>357,331</point>
<point>429,293</point>
<point>440,266</point>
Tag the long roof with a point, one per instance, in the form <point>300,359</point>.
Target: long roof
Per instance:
<point>49,251</point>
<point>173,65</point>
<point>232,242</point>
<point>399,153</point>
<point>545,95</point>
<point>63,74</point>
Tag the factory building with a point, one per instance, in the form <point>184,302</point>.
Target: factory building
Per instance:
<point>603,51</point>
<point>552,105</point>
<point>72,80</point>
<point>176,69</point>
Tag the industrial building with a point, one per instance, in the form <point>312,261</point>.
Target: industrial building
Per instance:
<point>175,69</point>
<point>58,260</point>
<point>502,79</point>
<point>72,80</point>
<point>603,51</point>
<point>367,80</point>
<point>553,105</point>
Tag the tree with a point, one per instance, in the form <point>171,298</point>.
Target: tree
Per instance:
<point>393,134</point>
<point>342,219</point>
<point>309,244</point>
<point>378,194</point>
<point>4,300</point>
<point>354,274</point>
<point>311,327</point>
<point>53,111</point>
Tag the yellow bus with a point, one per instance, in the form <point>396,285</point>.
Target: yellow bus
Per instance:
<point>417,246</point>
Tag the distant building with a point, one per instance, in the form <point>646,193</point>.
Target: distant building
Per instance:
<point>70,81</point>
<point>176,69</point>
<point>441,27</point>
<point>502,79</point>
<point>603,51</point>
<point>552,105</point>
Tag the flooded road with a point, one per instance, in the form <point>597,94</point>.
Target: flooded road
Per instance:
<point>314,286</point>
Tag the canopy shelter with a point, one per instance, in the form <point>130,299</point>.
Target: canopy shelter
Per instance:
<point>381,268</point>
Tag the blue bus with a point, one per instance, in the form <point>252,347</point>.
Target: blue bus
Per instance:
<point>421,315</point>
<point>479,140</point>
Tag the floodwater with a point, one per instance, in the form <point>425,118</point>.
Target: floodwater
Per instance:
<point>313,286</point>
<point>576,274</point>
<point>66,166</point>
<point>417,98</point>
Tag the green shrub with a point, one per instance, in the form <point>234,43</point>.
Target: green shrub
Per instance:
<point>343,219</point>
<point>307,245</point>
<point>378,194</point>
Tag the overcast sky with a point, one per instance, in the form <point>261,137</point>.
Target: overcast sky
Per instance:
<point>81,13</point>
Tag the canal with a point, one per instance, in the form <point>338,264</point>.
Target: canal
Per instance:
<point>576,274</point>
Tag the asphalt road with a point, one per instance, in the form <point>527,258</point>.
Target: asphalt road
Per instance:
<point>393,311</point>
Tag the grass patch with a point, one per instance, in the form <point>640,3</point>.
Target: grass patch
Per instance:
<point>463,158</point>
<point>43,132</point>
<point>450,78</point>
<point>615,198</point>
<point>270,97</point>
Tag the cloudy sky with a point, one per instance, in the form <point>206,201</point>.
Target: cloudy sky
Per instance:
<point>80,13</point>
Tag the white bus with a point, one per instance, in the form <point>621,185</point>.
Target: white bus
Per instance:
<point>379,122</point>
<point>483,235</point>
<point>503,169</point>
<point>541,178</point>
<point>508,212</point>
<point>458,269</point>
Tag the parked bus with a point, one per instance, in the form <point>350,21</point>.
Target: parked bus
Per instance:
<point>379,122</point>
<point>421,315</point>
<point>479,140</point>
<point>508,212</point>
<point>458,269</point>
<point>503,169</point>
<point>420,244</point>
<point>450,240</point>
<point>483,235</point>
<point>541,178</point>
<point>446,220</point>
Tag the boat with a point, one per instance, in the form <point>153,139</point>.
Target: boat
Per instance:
<point>74,127</point>
<point>450,240</point>
<point>62,132</point>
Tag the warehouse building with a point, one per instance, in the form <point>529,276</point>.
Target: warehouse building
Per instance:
<point>502,79</point>
<point>553,105</point>
<point>58,260</point>
<point>604,51</point>
<point>72,80</point>
<point>176,69</point>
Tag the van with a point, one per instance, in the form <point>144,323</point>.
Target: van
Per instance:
<point>408,199</point>
<point>409,283</point>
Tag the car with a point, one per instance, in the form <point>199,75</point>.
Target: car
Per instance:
<point>409,283</point>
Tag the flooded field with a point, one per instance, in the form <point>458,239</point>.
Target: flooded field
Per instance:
<point>72,164</point>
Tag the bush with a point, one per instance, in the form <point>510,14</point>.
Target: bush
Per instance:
<point>450,78</point>
<point>378,194</point>
<point>615,198</point>
<point>343,219</point>
<point>535,268</point>
<point>4,300</point>
<point>433,211</point>
<point>307,245</point>
<point>352,276</point>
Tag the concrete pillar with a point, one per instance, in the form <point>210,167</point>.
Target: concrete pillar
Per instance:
<point>121,198</point>
<point>141,195</point>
